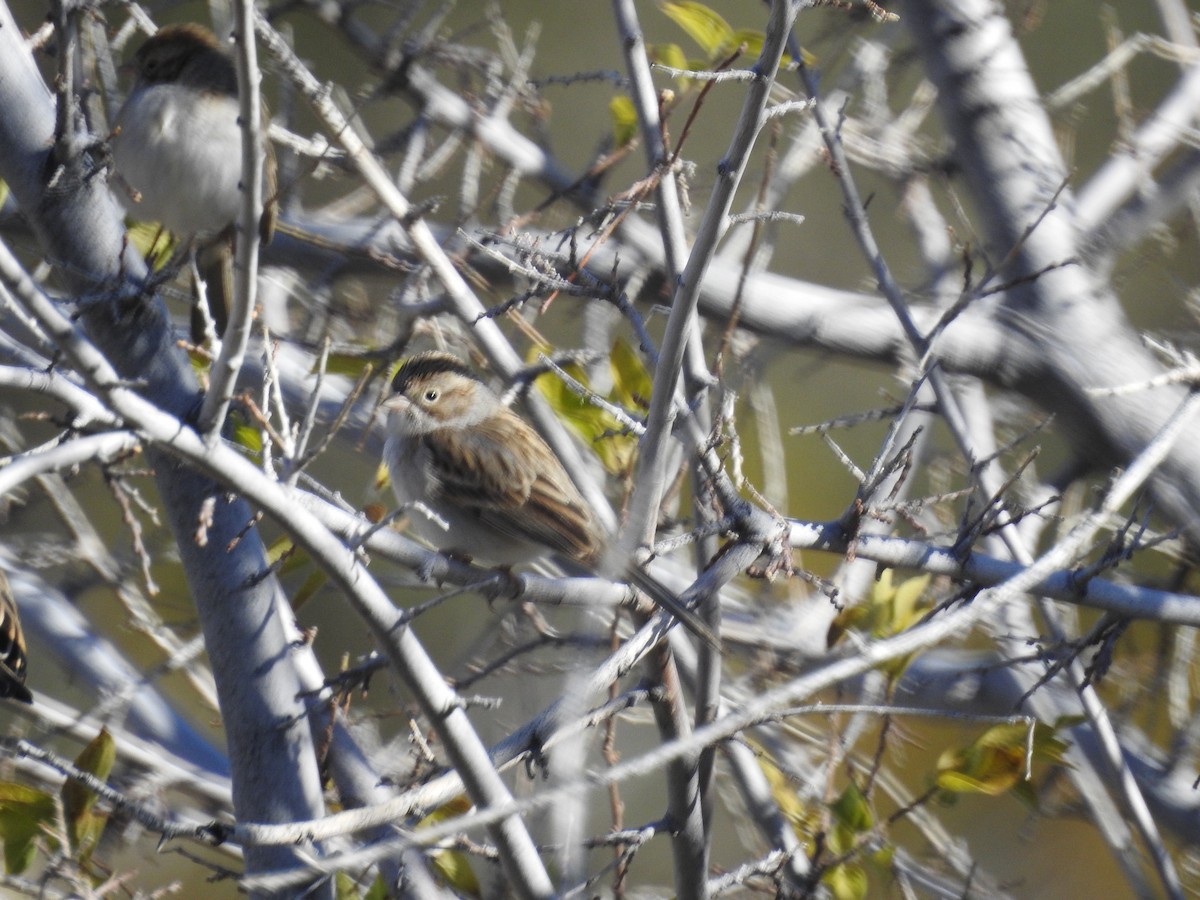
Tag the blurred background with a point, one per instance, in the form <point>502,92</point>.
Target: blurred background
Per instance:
<point>792,387</point>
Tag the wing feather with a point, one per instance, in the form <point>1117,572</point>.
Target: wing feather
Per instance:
<point>528,496</point>
<point>12,647</point>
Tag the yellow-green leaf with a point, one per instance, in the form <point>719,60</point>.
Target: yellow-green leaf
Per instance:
<point>24,815</point>
<point>996,761</point>
<point>287,556</point>
<point>848,619</point>
<point>313,583</point>
<point>85,833</point>
<point>701,24</point>
<point>852,810</point>
<point>383,480</point>
<point>96,759</point>
<point>846,881</point>
<point>892,604</point>
<point>201,363</point>
<point>244,434</point>
<point>907,603</point>
<point>889,610</point>
<point>379,890</point>
<point>598,428</point>
<point>804,819</point>
<point>153,241</point>
<point>84,825</point>
<point>624,119</point>
<point>750,40</point>
<point>453,866</point>
<point>1006,736</point>
<point>1025,793</point>
<point>344,887</point>
<point>291,559</point>
<point>884,856</point>
<point>281,549</point>
<point>671,55</point>
<point>995,780</point>
<point>351,365</point>
<point>632,381</point>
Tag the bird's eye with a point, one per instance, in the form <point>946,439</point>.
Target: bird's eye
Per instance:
<point>431,395</point>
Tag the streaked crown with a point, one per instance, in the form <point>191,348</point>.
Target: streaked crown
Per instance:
<point>186,54</point>
<point>426,365</point>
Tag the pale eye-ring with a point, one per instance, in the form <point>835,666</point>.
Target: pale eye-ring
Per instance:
<point>431,395</point>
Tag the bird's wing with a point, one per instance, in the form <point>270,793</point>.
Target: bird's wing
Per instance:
<point>526,495</point>
<point>12,647</point>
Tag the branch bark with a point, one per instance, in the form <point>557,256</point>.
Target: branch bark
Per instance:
<point>76,221</point>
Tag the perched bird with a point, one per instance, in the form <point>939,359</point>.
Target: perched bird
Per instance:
<point>177,148</point>
<point>12,647</point>
<point>482,483</point>
<point>178,144</point>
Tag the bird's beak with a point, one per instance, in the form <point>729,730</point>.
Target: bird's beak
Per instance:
<point>397,403</point>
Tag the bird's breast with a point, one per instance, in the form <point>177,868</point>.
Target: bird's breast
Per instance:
<point>180,150</point>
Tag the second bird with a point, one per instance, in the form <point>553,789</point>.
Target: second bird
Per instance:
<point>178,144</point>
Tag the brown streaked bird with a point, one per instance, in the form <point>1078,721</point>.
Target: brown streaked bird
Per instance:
<point>178,144</point>
<point>480,482</point>
<point>12,647</point>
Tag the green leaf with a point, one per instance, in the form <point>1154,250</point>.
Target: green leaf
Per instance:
<point>908,604</point>
<point>245,435</point>
<point>702,25</point>
<point>598,428</point>
<point>344,887</point>
<point>24,815</point>
<point>84,825</point>
<point>287,557</point>
<point>453,866</point>
<point>671,55</point>
<point>995,780</point>
<point>383,478</point>
<point>352,365</point>
<point>379,890</point>
<point>846,881</point>
<point>313,583</point>
<point>1025,792</point>
<point>1048,747</point>
<point>153,241</point>
<point>624,119</point>
<point>750,40</point>
<point>852,810</point>
<point>281,549</point>
<point>884,857</point>
<point>995,762</point>
<point>889,610</point>
<point>632,381</point>
<point>804,819</point>
<point>290,559</point>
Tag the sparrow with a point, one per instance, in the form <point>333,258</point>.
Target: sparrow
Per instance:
<point>177,143</point>
<point>12,647</point>
<point>177,149</point>
<point>481,483</point>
